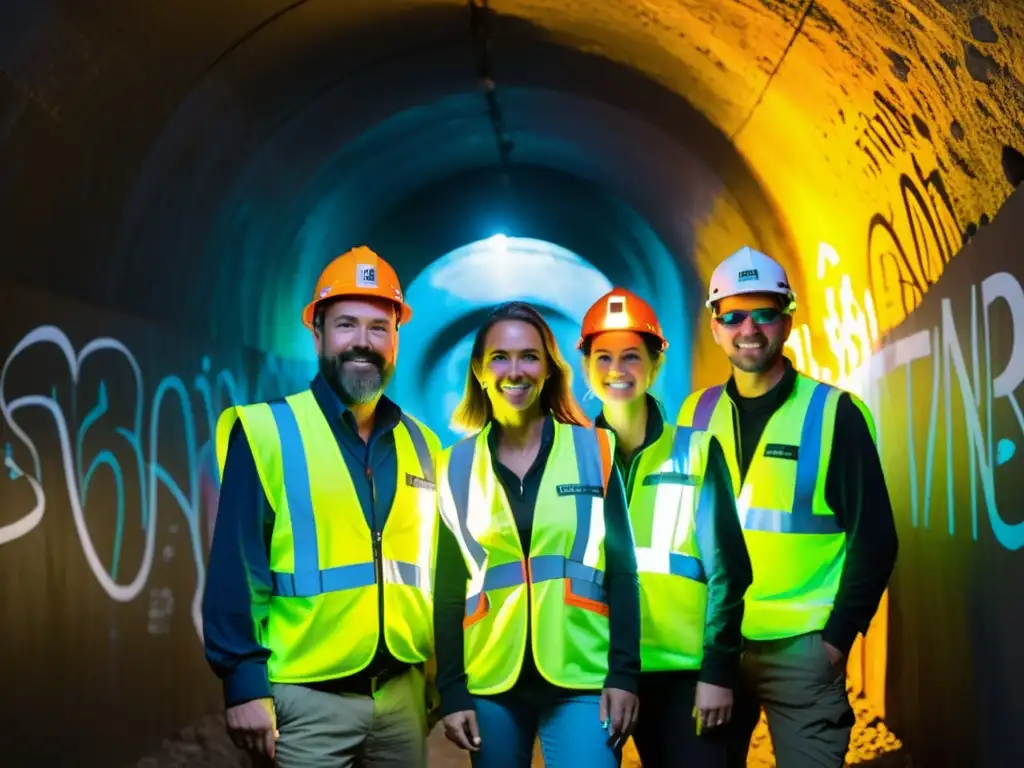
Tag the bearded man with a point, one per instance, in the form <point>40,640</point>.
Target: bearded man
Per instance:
<point>319,595</point>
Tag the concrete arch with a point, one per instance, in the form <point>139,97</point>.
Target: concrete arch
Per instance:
<point>173,176</point>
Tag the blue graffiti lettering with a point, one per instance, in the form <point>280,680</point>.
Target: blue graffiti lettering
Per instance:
<point>194,412</point>
<point>971,439</point>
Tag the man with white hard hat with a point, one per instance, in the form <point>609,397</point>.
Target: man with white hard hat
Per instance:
<point>815,513</point>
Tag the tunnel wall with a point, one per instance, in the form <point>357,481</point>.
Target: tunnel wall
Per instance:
<point>878,166</point>
<point>905,140</point>
<point>944,388</point>
<point>107,501</point>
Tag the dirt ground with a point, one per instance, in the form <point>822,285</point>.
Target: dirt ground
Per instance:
<point>206,745</point>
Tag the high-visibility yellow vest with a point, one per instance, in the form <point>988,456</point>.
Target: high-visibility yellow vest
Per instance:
<point>559,591</point>
<point>324,615</point>
<point>665,507</point>
<point>796,546</point>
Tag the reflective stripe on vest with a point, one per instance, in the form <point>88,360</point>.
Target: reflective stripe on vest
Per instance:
<point>678,484</point>
<point>802,518</point>
<point>324,622</point>
<point>585,580</point>
<point>309,580</point>
<point>669,510</point>
<point>796,546</point>
<point>557,588</point>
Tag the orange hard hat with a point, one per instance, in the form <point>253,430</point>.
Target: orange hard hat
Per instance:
<point>358,272</point>
<point>620,310</point>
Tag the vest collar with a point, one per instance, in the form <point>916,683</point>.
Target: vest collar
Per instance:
<point>547,435</point>
<point>771,400</point>
<point>386,416</point>
<point>655,424</point>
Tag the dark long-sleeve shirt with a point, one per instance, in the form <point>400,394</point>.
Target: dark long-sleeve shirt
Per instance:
<point>856,493</point>
<point>620,577</point>
<point>238,581</point>
<point>723,552</point>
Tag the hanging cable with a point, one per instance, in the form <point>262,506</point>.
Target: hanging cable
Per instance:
<point>479,14</point>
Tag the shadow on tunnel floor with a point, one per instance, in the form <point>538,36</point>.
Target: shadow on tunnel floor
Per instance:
<point>206,745</point>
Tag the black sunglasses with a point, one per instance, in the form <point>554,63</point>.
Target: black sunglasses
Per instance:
<point>760,316</point>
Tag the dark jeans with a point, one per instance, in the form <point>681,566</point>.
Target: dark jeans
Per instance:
<point>666,733</point>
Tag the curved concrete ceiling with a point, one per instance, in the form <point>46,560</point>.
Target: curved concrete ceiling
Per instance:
<point>169,159</point>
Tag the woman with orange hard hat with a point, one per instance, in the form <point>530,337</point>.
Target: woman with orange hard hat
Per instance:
<point>691,557</point>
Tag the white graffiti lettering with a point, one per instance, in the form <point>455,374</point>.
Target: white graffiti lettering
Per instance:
<point>192,409</point>
<point>849,325</point>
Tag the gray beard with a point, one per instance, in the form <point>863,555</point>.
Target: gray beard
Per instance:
<point>355,386</point>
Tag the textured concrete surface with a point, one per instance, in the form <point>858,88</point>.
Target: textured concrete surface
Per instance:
<point>192,165</point>
<point>907,137</point>
<point>206,745</point>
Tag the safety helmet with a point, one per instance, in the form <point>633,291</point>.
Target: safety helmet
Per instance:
<point>749,271</point>
<point>620,310</point>
<point>358,272</point>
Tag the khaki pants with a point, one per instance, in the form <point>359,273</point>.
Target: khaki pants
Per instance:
<point>808,711</point>
<point>342,730</point>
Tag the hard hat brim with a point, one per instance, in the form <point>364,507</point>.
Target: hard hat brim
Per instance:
<point>709,304</point>
<point>404,310</point>
<point>642,331</point>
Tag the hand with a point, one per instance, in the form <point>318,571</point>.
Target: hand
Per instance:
<point>618,713</point>
<point>253,726</point>
<point>836,658</point>
<point>461,729</point>
<point>712,706</point>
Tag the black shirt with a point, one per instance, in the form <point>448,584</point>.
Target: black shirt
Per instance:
<point>723,553</point>
<point>856,493</point>
<point>620,577</point>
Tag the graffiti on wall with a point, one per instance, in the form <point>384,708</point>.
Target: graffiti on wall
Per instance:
<point>911,241</point>
<point>969,426</point>
<point>909,244</point>
<point>848,323</point>
<point>973,416</point>
<point>120,442</point>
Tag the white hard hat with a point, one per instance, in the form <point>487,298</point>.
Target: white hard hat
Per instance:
<point>749,271</point>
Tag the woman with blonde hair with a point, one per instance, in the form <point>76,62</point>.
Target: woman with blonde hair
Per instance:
<point>536,606</point>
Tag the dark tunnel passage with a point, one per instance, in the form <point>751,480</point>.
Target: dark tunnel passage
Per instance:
<point>174,176</point>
